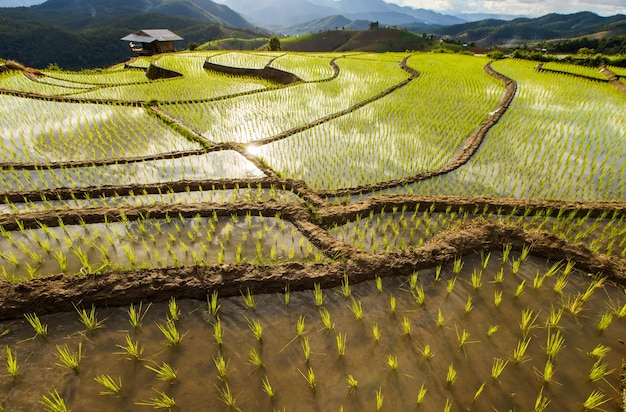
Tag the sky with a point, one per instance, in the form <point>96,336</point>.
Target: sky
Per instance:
<point>520,7</point>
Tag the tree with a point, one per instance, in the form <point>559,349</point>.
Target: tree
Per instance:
<point>274,44</point>
<point>193,45</point>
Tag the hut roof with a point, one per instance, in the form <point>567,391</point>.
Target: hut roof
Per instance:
<point>149,36</point>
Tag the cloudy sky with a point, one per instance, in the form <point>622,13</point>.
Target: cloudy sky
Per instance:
<point>526,7</point>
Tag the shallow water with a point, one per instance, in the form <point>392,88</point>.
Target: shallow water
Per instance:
<point>152,243</point>
<point>281,350</point>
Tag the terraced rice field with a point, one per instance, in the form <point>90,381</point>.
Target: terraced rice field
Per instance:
<point>390,232</point>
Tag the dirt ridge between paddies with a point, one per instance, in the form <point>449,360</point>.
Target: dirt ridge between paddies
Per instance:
<point>119,288</point>
<point>613,79</point>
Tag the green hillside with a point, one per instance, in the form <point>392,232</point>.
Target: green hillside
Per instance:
<point>379,40</point>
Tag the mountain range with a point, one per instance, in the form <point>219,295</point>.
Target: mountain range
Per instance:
<point>277,14</point>
<point>86,33</point>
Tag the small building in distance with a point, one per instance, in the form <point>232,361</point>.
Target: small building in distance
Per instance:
<point>149,42</point>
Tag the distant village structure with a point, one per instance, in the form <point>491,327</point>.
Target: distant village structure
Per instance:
<point>149,42</point>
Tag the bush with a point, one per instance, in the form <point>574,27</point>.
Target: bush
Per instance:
<point>495,55</point>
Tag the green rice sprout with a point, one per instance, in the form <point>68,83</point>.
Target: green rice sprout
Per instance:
<point>457,265</point>
<point>256,328</point>
<point>173,309</point>
<point>406,326</point>
<point>421,394</point>
<point>418,294</point>
<point>352,384</point>
<point>620,312</point>
<point>226,395</point>
<point>392,361</point>
<point>574,305</point>
<point>555,342</point>
<point>498,367</point>
<point>318,295</point>
<point>525,251</point>
<point>306,348</point>
<point>506,251</point>
<point>255,359</point>
<point>605,321</point>
<point>341,344</point>
<point>356,307</point>
<point>497,298</point>
<point>392,304</point>
<point>53,403</point>
<point>413,280</point>
<point>287,295</point>
<point>451,375</point>
<point>479,391</point>
<point>595,399</point>
<point>376,332</point>
<point>515,265</point>
<point>440,319</point>
<point>132,349</point>
<point>484,259</point>
<point>555,317</point>
<point>12,366</point>
<point>379,284</point>
<point>520,288</point>
<point>300,326</point>
<point>438,273</point>
<point>538,280</point>
<point>379,399</point>
<point>448,406</point>
<point>492,329</point>
<point>561,283</point>
<point>89,319</point>
<point>69,359</point>
<point>41,329</point>
<point>267,387</point>
<point>162,401</point>
<point>213,305</point>
<point>309,377</point>
<point>427,353</point>
<point>170,332</point>
<point>450,285</point>
<point>527,323</point>
<point>165,372</point>
<point>599,351</point>
<point>248,299</point>
<point>462,337</point>
<point>477,279</point>
<point>520,350</point>
<point>499,276</point>
<point>595,284</point>
<point>111,386</point>
<point>599,370</point>
<point>136,314</point>
<point>553,269</point>
<point>218,332</point>
<point>548,371</point>
<point>221,365</point>
<point>542,402</point>
<point>468,304</point>
<point>325,316</point>
<point>345,286</point>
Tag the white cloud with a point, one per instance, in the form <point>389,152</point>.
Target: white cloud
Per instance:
<point>525,7</point>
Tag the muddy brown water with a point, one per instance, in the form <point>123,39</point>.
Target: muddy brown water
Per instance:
<point>365,359</point>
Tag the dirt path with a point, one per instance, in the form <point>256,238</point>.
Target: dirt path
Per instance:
<point>59,293</point>
<point>613,79</point>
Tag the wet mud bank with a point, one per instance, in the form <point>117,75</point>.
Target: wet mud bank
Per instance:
<point>59,293</point>
<point>268,73</point>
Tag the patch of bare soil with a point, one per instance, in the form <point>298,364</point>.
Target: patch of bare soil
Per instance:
<point>269,73</point>
<point>58,293</point>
